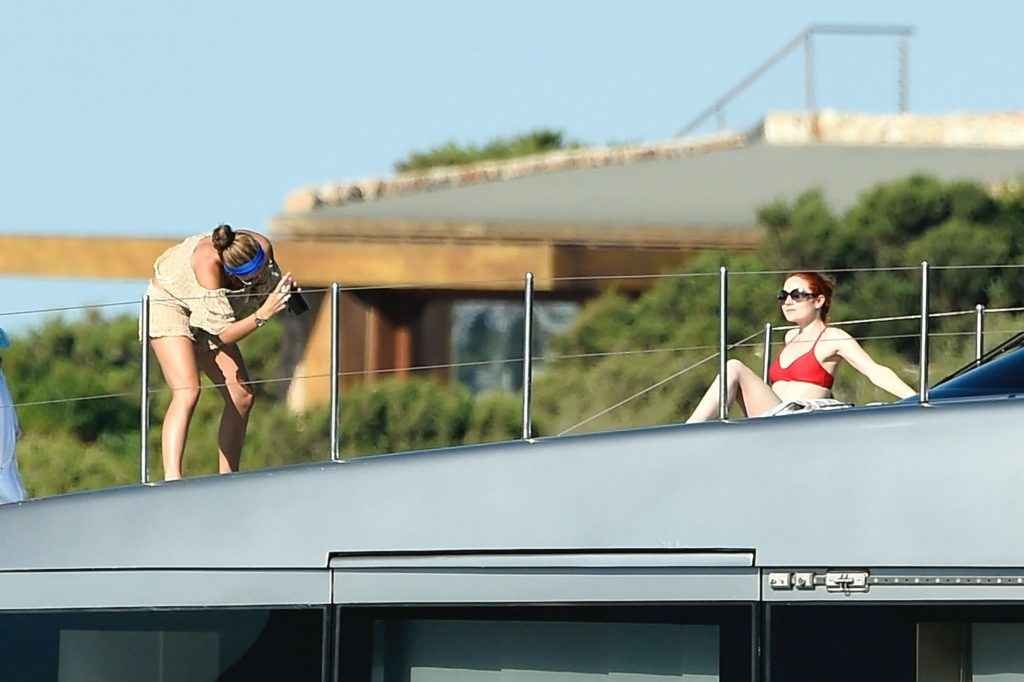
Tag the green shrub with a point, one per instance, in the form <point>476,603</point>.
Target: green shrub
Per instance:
<point>396,415</point>
<point>496,416</point>
<point>454,154</point>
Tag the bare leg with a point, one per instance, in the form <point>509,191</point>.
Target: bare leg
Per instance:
<point>755,396</point>
<point>177,358</point>
<point>226,369</point>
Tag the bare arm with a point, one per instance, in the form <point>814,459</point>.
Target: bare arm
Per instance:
<point>848,349</point>
<point>209,276</point>
<point>275,303</point>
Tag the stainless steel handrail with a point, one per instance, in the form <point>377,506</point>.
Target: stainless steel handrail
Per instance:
<point>554,358</point>
<point>144,391</point>
<point>527,355</point>
<point>335,371</point>
<point>805,38</point>
<point>766,361</point>
<point>979,332</point>
<point>923,378</point>
<point>580,278</point>
<point>723,346</point>
<point>723,334</point>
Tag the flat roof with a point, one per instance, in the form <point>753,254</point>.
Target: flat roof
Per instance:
<point>720,190</point>
<point>893,488</point>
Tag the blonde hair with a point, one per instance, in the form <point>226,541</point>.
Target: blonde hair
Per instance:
<point>235,248</point>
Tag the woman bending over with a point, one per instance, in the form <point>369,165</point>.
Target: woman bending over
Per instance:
<point>805,367</point>
<point>208,293</point>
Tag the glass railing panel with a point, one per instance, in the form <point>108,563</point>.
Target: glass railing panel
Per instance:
<point>74,380</point>
<point>884,326</point>
<point>639,355</point>
<point>635,356</point>
<point>955,293</point>
<point>289,384</point>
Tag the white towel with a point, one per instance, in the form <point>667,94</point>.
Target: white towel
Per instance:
<point>800,406</point>
<point>11,487</point>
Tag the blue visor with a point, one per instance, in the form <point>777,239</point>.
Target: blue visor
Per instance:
<point>249,267</point>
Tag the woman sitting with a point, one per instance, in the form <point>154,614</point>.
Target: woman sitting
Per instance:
<point>805,367</point>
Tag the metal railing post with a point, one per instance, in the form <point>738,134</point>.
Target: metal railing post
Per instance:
<point>144,392</point>
<point>979,332</point>
<point>335,445</point>
<point>767,352</point>
<point>923,379</point>
<point>804,38</point>
<point>809,102</point>
<point>527,355</point>
<point>723,331</point>
<point>903,80</point>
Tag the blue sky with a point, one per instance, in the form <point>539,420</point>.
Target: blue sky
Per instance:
<point>165,118</point>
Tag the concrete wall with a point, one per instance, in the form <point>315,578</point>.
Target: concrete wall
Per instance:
<point>950,130</point>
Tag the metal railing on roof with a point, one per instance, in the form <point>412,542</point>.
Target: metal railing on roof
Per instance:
<point>806,39</point>
<point>721,350</point>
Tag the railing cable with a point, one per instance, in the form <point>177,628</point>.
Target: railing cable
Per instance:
<point>651,387</point>
<point>477,363</point>
<point>511,283</point>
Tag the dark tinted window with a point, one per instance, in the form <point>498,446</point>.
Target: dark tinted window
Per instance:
<point>547,644</point>
<point>926,643</point>
<point>172,646</point>
<point>1002,376</point>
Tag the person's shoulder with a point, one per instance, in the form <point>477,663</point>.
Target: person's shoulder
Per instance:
<point>835,334</point>
<point>203,254</point>
<point>791,334</point>
<point>207,268</point>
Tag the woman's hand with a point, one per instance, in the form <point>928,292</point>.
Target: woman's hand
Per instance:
<point>277,300</point>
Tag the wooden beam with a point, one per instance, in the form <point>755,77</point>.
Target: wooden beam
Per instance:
<point>426,266</point>
<point>453,266</point>
<point>573,265</point>
<point>99,257</point>
<point>313,263</point>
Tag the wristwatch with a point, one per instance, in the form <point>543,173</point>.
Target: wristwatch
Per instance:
<point>258,320</point>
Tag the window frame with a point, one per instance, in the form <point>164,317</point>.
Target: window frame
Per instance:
<point>106,619</point>
<point>739,627</point>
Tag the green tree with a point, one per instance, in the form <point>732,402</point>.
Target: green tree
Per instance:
<point>892,225</point>
<point>455,154</point>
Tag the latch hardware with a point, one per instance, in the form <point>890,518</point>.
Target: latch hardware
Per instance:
<point>833,581</point>
<point>846,581</point>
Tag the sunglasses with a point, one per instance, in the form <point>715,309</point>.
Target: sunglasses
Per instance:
<point>256,278</point>
<point>797,296</point>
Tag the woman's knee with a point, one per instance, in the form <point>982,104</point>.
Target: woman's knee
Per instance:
<point>241,398</point>
<point>185,396</point>
<point>735,367</point>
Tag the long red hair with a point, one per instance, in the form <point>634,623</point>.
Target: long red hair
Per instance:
<point>819,285</point>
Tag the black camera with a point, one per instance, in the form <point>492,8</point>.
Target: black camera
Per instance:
<point>296,303</point>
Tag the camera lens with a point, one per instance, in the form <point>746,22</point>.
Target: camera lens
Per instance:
<point>297,304</point>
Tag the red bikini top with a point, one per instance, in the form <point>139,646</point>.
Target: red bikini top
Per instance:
<point>805,368</point>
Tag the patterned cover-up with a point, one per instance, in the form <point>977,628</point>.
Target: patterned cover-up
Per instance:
<point>181,306</point>
<point>11,487</point>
